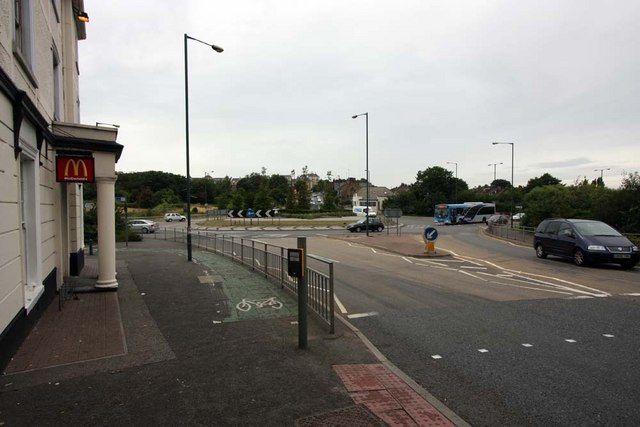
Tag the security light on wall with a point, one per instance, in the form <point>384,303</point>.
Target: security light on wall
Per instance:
<point>82,16</point>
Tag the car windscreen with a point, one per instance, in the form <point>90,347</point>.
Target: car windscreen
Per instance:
<point>441,213</point>
<point>595,228</point>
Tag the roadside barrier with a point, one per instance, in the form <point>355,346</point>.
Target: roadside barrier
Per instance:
<point>518,234</point>
<point>271,261</point>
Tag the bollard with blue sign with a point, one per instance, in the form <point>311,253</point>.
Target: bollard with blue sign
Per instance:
<point>430,235</point>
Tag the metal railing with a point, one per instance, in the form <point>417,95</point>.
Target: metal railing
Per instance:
<point>519,234</point>
<point>271,261</point>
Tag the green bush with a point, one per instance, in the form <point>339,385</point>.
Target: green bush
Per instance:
<point>132,235</point>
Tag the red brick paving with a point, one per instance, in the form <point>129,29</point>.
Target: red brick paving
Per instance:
<point>86,328</point>
<point>388,397</point>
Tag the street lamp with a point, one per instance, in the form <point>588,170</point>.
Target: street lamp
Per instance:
<point>456,184</point>
<point>186,109</point>
<point>602,173</point>
<point>513,188</point>
<point>206,174</point>
<point>366,115</point>
<point>494,169</point>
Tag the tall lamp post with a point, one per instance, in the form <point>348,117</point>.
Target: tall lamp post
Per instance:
<point>186,109</point>
<point>494,168</point>
<point>602,173</point>
<point>513,189</point>
<point>366,116</point>
<point>456,184</point>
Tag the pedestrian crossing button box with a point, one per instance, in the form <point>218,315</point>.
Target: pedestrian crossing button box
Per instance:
<point>295,262</point>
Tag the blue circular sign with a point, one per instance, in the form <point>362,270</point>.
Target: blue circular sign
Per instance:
<point>430,234</point>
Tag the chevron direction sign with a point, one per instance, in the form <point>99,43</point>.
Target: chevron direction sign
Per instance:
<point>250,213</point>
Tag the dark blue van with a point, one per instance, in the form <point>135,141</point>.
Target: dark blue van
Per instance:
<point>585,242</point>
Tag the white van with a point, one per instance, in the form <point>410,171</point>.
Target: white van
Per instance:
<point>362,211</point>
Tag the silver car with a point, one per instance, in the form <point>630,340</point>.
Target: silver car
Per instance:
<point>142,226</point>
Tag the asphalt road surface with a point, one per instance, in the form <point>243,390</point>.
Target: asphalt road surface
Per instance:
<point>498,335</point>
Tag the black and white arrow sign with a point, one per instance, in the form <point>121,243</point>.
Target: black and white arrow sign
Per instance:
<point>259,214</point>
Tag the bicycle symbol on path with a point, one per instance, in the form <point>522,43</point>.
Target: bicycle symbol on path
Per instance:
<point>246,304</point>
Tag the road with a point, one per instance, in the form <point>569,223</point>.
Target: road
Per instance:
<point>498,335</point>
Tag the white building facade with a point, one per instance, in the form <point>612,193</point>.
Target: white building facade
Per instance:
<point>41,219</point>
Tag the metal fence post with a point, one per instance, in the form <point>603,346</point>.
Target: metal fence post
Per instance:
<point>282,267</point>
<point>332,324</point>
<point>302,298</point>
<point>266,260</point>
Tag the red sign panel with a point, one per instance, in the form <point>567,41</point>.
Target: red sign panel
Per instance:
<point>74,169</point>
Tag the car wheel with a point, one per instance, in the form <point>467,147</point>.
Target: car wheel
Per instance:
<point>540,253</point>
<point>183,219</point>
<point>578,258</point>
<point>145,230</point>
<point>380,228</point>
<point>628,265</point>
<point>358,229</point>
<point>169,219</point>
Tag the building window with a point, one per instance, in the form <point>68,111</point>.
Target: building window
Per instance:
<point>57,88</point>
<point>23,36</point>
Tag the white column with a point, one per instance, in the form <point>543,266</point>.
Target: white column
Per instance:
<point>106,233</point>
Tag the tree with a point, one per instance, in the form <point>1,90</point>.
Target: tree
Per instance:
<point>290,203</point>
<point>540,181</point>
<point>303,199</point>
<point>279,188</point>
<point>330,199</point>
<point>262,200</point>
<point>498,185</point>
<point>237,201</point>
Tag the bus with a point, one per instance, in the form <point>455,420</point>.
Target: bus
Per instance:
<point>463,213</point>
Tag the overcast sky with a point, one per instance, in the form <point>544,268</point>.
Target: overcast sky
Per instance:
<point>440,80</point>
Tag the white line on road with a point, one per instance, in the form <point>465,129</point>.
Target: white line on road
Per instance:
<point>570,340</point>
<point>373,250</point>
<point>472,275</point>
<point>407,259</point>
<point>359,315</point>
<point>435,266</point>
<point>323,235</point>
<point>529,287</point>
<point>527,345</point>
<point>632,294</point>
<point>328,259</point>
<point>473,268</point>
<point>436,356</point>
<point>483,350</point>
<point>607,335</point>
<point>258,262</point>
<point>341,306</point>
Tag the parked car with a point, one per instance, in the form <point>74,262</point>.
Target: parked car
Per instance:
<point>142,225</point>
<point>585,242</point>
<point>518,216</point>
<point>172,216</point>
<point>375,224</point>
<point>498,220</point>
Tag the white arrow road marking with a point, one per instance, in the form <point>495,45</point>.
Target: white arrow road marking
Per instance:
<point>359,315</point>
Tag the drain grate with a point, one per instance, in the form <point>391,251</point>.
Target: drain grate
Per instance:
<point>352,416</point>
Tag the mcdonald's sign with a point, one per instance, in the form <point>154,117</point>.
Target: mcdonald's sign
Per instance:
<point>74,169</point>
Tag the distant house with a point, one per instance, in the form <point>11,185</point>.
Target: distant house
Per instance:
<point>317,200</point>
<point>312,180</point>
<point>377,195</point>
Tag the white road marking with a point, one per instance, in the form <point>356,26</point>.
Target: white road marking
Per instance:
<point>295,322</point>
<point>358,315</point>
<point>472,275</point>
<point>632,294</point>
<point>483,350</point>
<point>570,340</point>
<point>436,356</point>
<point>216,321</point>
<point>608,335</point>
<point>581,297</point>
<point>435,266</point>
<point>529,287</point>
<point>527,345</point>
<point>258,262</point>
<point>373,250</point>
<point>434,263</point>
<point>342,308</point>
<point>323,235</point>
<point>473,268</point>
<point>407,259</point>
<point>531,282</point>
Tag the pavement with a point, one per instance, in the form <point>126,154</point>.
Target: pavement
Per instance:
<point>199,350</point>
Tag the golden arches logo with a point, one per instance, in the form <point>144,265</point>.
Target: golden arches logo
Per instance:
<point>75,165</point>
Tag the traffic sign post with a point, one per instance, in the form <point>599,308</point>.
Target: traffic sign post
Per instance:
<point>430,235</point>
<point>394,213</point>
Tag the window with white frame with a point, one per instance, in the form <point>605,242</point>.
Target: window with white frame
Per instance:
<point>57,85</point>
<point>23,34</point>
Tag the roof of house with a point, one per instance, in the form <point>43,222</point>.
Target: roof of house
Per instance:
<point>374,192</point>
